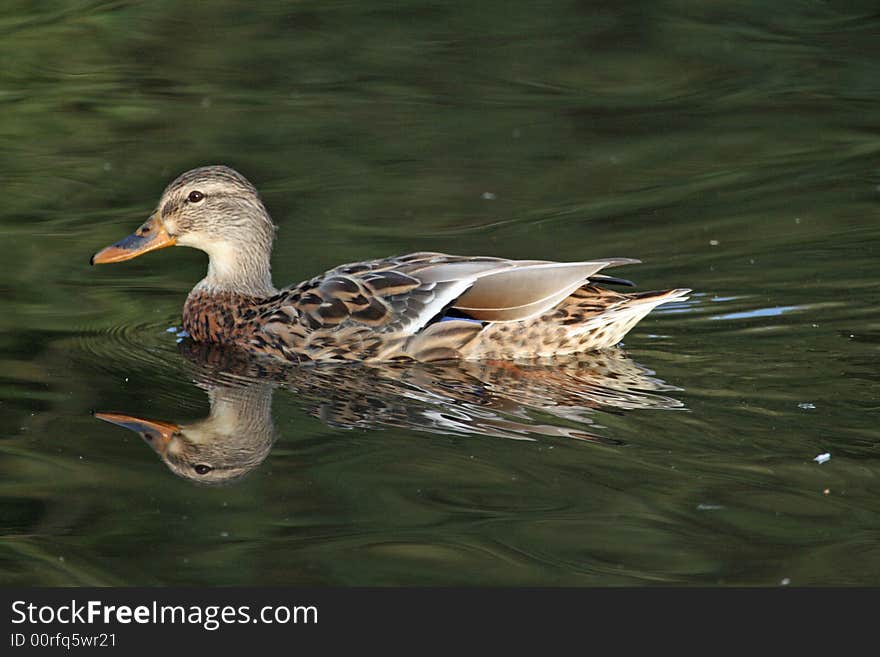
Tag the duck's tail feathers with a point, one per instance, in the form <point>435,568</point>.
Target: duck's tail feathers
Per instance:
<point>608,328</point>
<point>657,298</point>
<point>590,318</point>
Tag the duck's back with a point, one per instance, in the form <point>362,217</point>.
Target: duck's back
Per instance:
<point>432,306</point>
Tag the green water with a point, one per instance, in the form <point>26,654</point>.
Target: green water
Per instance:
<point>733,147</point>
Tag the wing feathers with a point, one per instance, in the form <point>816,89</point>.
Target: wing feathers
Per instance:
<point>523,291</point>
<point>398,299</point>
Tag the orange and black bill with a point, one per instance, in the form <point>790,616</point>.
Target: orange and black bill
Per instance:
<point>149,237</point>
<point>158,434</point>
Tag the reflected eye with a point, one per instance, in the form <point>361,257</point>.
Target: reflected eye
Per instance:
<point>202,469</point>
<point>195,197</point>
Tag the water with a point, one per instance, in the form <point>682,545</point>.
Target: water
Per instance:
<point>730,146</point>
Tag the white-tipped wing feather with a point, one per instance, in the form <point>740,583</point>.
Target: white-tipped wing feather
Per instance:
<point>521,291</point>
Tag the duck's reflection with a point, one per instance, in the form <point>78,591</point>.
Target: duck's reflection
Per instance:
<point>485,398</point>
<point>234,439</point>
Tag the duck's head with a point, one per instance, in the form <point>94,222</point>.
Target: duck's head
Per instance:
<point>233,440</point>
<point>219,211</point>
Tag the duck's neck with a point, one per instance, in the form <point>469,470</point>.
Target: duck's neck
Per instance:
<point>238,279</point>
<point>240,269</point>
<point>241,412</point>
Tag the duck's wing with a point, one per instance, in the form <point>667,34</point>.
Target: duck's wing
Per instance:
<point>406,296</point>
<point>407,293</point>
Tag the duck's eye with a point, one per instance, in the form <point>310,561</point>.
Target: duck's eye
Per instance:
<point>202,469</point>
<point>195,197</point>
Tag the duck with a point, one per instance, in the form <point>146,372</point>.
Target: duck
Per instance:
<point>222,448</point>
<point>557,399</point>
<point>422,306</point>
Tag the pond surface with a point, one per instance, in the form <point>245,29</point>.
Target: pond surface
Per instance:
<point>732,147</point>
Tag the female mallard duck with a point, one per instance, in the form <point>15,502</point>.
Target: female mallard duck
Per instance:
<point>421,306</point>
<point>491,398</point>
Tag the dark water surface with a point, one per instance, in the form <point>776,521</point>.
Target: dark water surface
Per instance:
<point>733,147</point>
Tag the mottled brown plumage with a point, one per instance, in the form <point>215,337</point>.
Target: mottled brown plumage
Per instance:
<point>420,306</point>
<point>519,400</point>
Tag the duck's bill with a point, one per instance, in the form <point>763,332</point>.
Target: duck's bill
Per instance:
<point>158,434</point>
<point>149,237</point>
